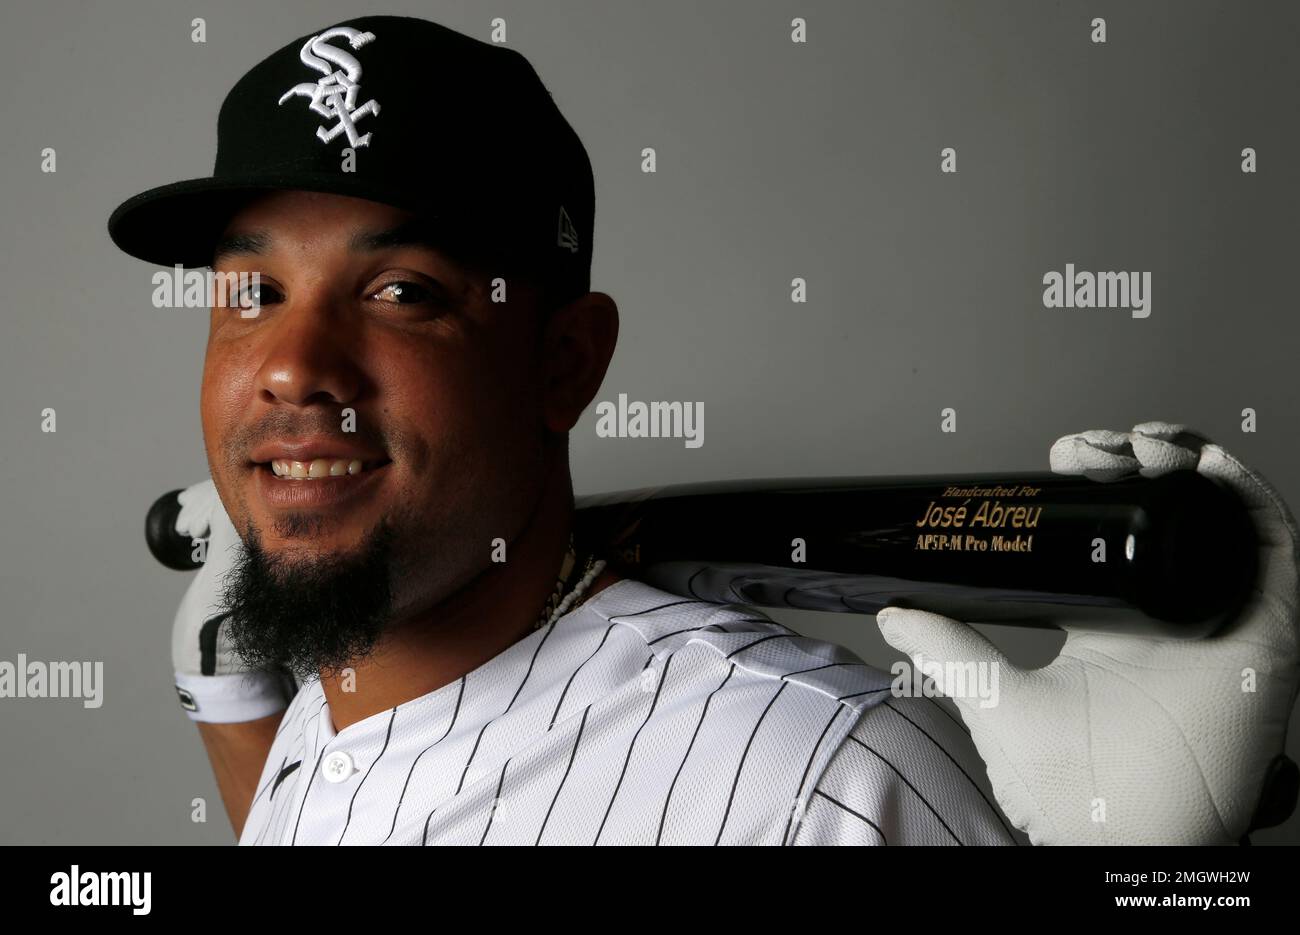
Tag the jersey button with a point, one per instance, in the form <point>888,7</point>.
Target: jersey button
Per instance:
<point>337,767</point>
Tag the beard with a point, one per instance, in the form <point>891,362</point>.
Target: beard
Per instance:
<point>310,616</point>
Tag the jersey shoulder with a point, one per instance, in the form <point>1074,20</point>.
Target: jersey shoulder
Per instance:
<point>906,773</point>
<point>738,635</point>
<point>761,708</point>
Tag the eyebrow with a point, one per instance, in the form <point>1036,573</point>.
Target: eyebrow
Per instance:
<point>407,234</point>
<point>413,233</point>
<point>254,242</point>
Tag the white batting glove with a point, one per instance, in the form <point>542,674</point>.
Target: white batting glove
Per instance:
<point>213,684</point>
<point>1135,740</point>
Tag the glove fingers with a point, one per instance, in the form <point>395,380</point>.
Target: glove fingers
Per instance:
<point>204,599</point>
<point>1098,454</point>
<point>1151,449</point>
<point>1161,455</point>
<point>196,502</point>
<point>1164,430</point>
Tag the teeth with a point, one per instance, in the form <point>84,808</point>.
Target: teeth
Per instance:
<point>312,470</point>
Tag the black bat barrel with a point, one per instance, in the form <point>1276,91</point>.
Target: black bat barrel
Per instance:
<point>1170,556</point>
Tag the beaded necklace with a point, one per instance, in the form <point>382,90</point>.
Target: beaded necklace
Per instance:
<point>572,582</point>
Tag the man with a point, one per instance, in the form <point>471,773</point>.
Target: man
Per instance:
<point>387,431</point>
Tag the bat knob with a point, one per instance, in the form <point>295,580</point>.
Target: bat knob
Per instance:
<point>165,543</point>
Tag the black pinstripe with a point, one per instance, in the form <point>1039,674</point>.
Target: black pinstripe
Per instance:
<point>357,791</point>
<point>574,674</point>
<point>744,756</point>
<point>924,800</point>
<point>286,804</point>
<point>560,788</point>
<point>992,808</point>
<point>761,639</point>
<point>306,792</point>
<point>663,816</point>
<point>496,801</point>
<point>855,814</point>
<point>803,780</point>
<point>460,695</point>
<point>513,698</point>
<point>659,687</point>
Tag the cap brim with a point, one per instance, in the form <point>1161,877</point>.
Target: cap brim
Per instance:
<point>180,223</point>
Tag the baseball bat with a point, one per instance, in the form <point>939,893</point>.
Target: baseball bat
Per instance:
<point>1173,556</point>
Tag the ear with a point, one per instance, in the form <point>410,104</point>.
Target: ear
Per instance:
<point>577,344</point>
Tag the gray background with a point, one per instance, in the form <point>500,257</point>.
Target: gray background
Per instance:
<point>775,160</point>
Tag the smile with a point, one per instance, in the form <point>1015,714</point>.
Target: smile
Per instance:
<point>322,483</point>
<point>320,468</point>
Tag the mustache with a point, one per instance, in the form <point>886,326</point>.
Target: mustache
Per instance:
<point>321,423</point>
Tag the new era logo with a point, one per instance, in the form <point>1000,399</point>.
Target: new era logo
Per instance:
<point>567,236</point>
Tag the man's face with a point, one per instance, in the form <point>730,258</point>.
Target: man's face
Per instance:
<point>357,314</point>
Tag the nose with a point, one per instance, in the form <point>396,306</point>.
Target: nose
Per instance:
<point>307,360</point>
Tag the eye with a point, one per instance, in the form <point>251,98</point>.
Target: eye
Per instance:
<point>403,292</point>
<point>253,296</point>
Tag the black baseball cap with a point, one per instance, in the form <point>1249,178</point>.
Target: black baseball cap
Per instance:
<point>459,131</point>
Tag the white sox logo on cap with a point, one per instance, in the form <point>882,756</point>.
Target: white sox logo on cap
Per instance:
<point>335,95</point>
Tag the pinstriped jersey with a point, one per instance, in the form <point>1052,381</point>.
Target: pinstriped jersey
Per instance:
<point>639,717</point>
